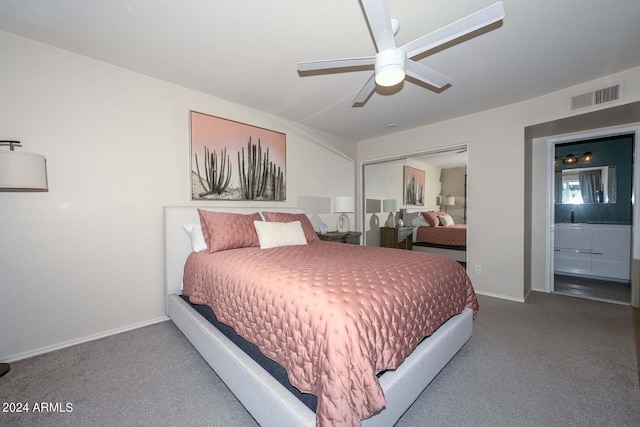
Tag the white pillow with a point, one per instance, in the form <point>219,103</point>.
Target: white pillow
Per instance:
<point>419,221</point>
<point>275,234</point>
<point>194,231</point>
<point>445,220</point>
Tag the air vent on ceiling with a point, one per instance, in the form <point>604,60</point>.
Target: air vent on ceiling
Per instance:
<point>595,97</point>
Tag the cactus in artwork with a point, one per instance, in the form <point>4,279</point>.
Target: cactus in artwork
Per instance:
<point>277,183</point>
<point>254,172</point>
<point>259,177</point>
<point>410,191</point>
<point>414,192</point>
<point>216,180</point>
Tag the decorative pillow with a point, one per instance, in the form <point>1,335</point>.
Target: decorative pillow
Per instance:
<point>445,220</point>
<point>275,234</point>
<point>419,221</point>
<point>194,231</point>
<point>431,217</point>
<point>309,232</point>
<point>224,230</point>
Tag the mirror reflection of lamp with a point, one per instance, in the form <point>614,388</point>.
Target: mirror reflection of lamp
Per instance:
<point>343,205</point>
<point>450,201</point>
<point>391,206</point>
<point>373,206</point>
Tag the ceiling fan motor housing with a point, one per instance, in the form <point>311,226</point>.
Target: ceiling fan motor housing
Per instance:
<point>390,66</point>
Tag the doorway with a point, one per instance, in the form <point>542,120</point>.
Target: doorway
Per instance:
<point>590,214</point>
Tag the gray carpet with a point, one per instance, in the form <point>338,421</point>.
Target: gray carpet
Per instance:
<point>553,361</point>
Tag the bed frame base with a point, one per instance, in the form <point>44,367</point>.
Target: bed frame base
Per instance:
<point>271,404</point>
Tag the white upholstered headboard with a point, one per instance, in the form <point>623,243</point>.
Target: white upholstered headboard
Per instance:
<point>177,246</point>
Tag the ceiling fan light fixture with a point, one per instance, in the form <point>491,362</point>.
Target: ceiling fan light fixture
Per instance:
<point>390,67</point>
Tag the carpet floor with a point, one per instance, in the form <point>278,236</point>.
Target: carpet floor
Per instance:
<point>553,361</point>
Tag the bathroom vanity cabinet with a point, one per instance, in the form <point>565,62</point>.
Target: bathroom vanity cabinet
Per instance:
<point>598,250</point>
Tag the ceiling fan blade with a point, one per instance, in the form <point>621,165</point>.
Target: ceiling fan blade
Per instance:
<point>366,90</point>
<point>426,75</point>
<point>336,63</point>
<point>459,28</point>
<point>377,12</point>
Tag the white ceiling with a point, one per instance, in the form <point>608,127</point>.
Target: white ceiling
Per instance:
<point>450,158</point>
<point>246,51</point>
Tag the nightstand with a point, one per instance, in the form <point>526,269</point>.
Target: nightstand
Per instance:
<point>396,237</point>
<point>352,237</point>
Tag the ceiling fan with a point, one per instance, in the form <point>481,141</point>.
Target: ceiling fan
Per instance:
<point>392,63</point>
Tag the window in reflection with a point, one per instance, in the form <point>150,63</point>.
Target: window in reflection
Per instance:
<point>586,186</point>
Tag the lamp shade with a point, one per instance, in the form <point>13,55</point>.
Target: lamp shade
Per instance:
<point>390,205</point>
<point>451,200</point>
<point>21,171</point>
<point>344,204</point>
<point>373,206</point>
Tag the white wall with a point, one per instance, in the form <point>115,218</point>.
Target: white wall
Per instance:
<point>495,141</point>
<point>85,259</point>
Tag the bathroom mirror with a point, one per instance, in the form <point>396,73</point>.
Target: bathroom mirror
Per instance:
<point>578,186</point>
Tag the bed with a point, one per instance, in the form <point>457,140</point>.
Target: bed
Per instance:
<point>269,402</point>
<point>430,236</point>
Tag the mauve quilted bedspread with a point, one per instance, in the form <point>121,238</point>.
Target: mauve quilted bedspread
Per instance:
<point>452,235</point>
<point>332,314</point>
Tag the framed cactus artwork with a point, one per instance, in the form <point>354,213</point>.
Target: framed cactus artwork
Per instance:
<point>236,161</point>
<point>413,186</point>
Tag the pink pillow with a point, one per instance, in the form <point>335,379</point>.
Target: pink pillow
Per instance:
<point>432,218</point>
<point>309,232</point>
<point>224,230</point>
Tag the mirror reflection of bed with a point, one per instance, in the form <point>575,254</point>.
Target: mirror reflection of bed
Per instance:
<point>434,237</point>
<point>439,219</point>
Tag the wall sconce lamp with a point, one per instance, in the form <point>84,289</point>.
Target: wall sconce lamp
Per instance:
<point>571,159</point>
<point>343,205</point>
<point>21,171</point>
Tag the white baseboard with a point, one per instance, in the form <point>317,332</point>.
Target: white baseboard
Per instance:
<point>527,294</point>
<point>88,338</point>
<point>489,294</point>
